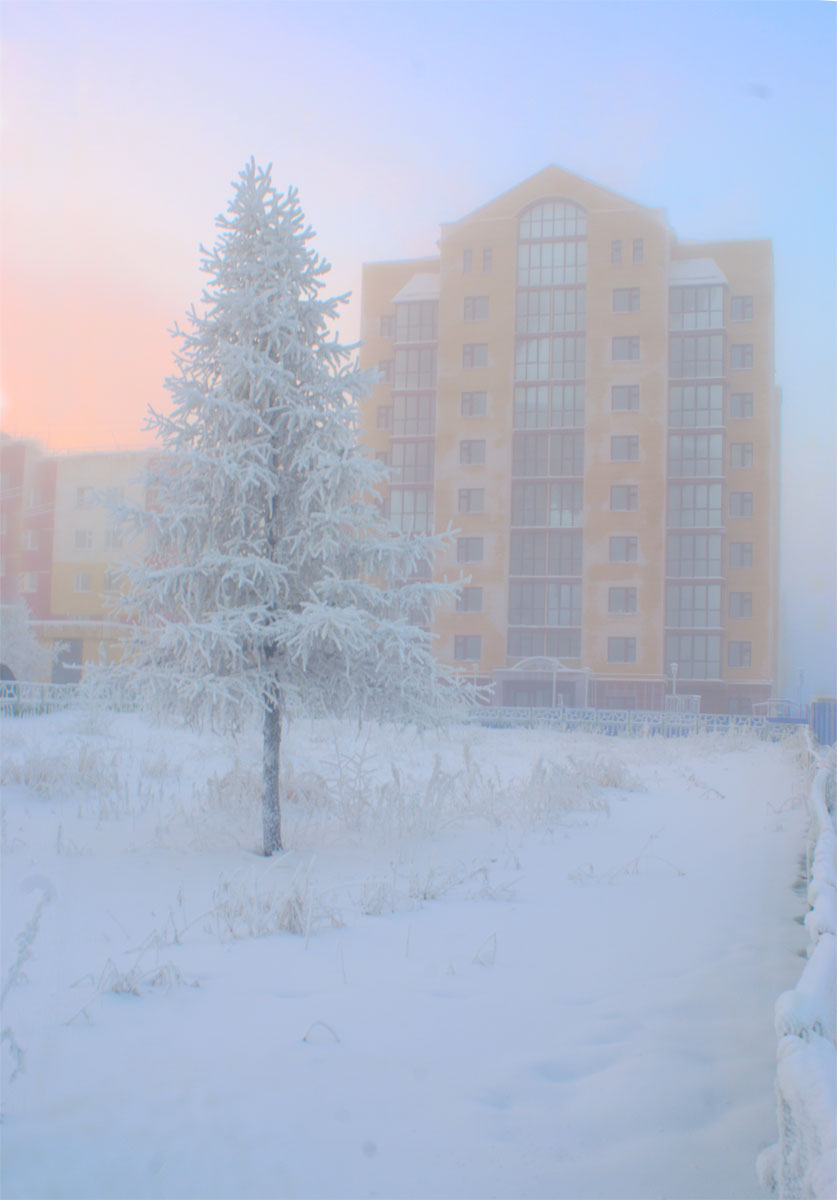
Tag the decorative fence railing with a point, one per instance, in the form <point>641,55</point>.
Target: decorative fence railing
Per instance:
<point>631,723</point>
<point>17,699</point>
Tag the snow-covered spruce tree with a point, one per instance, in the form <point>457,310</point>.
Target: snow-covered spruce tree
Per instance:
<point>272,582</point>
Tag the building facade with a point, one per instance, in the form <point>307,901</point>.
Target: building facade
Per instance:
<point>60,548</point>
<point>589,403</point>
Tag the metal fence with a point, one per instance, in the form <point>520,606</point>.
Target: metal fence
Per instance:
<point>19,699</point>
<point>631,723</point>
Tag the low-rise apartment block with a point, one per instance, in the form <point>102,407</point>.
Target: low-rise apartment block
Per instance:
<point>60,548</point>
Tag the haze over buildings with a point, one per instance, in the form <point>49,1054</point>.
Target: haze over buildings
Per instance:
<point>124,124</point>
<point>590,403</point>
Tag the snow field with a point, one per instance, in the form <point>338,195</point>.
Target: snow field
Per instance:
<point>491,964</point>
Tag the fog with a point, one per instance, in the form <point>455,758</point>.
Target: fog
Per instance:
<point>124,124</point>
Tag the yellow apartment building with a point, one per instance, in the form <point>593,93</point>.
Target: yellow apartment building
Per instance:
<point>589,403</point>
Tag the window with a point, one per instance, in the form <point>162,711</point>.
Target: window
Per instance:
<point>487,260</point>
<point>413,413</point>
<point>739,654</point>
<point>554,604</point>
<point>540,264</point>
<point>84,497</point>
<point>557,454</point>
<point>552,310</point>
<point>625,349</point>
<point>469,549</point>
<point>385,416</point>
<point>624,498</point>
<point>621,649</point>
<point>412,462</point>
<point>639,250</point>
<point>741,504</point>
<point>467,262</point>
<point>112,579</point>
<point>741,554</point>
<point>696,404</point>
<point>569,310</point>
<point>624,397</point>
<point>556,504</point>
<point>385,371</point>
<point>624,448</point>
<point>553,219</point>
<point>623,549</point>
<point>474,354</point>
<point>415,369</point>
<point>621,600</point>
<point>84,539</point>
<point>693,605</point>
<point>566,454</point>
<point>473,404</point>
<point>741,357</point>
<point>467,647</point>
<point>625,300</point>
<point>113,538</point>
<point>741,308</point>
<point>556,643</point>
<point>416,321</point>
<point>694,555</point>
<point>529,503</point>
<point>692,308</point>
<point>550,358</point>
<point>411,509</point>
<point>387,328</point>
<point>696,356</point>
<point>566,504</point>
<point>741,405</point>
<point>469,599</point>
<point>472,452</point>
<point>29,583</point>
<point>616,253</point>
<point>31,539</point>
<point>560,405</point>
<point>82,582</point>
<point>476,308</point>
<point>741,606</point>
<point>555,553</point>
<point>694,505</point>
<point>741,454</point>
<point>695,454</point>
<point>471,500</point>
<point>698,655</point>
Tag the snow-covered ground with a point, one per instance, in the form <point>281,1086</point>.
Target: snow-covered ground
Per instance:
<point>491,964</point>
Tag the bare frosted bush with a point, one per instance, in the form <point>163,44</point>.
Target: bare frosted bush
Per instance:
<point>248,907</point>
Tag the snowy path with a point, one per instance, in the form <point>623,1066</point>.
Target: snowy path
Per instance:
<point>586,1010</point>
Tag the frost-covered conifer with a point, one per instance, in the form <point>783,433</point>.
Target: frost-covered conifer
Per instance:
<point>272,582</point>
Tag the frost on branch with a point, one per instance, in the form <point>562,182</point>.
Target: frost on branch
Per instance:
<point>272,581</point>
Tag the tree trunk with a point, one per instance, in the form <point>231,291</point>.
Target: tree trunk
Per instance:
<point>271,815</point>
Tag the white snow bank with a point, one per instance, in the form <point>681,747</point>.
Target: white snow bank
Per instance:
<point>803,1164</point>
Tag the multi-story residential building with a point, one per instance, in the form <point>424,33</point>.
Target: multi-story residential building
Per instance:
<point>590,404</point>
<point>60,548</point>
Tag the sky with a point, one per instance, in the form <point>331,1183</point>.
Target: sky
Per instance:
<point>123,125</point>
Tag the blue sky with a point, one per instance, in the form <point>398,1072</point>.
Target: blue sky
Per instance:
<point>123,125</point>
